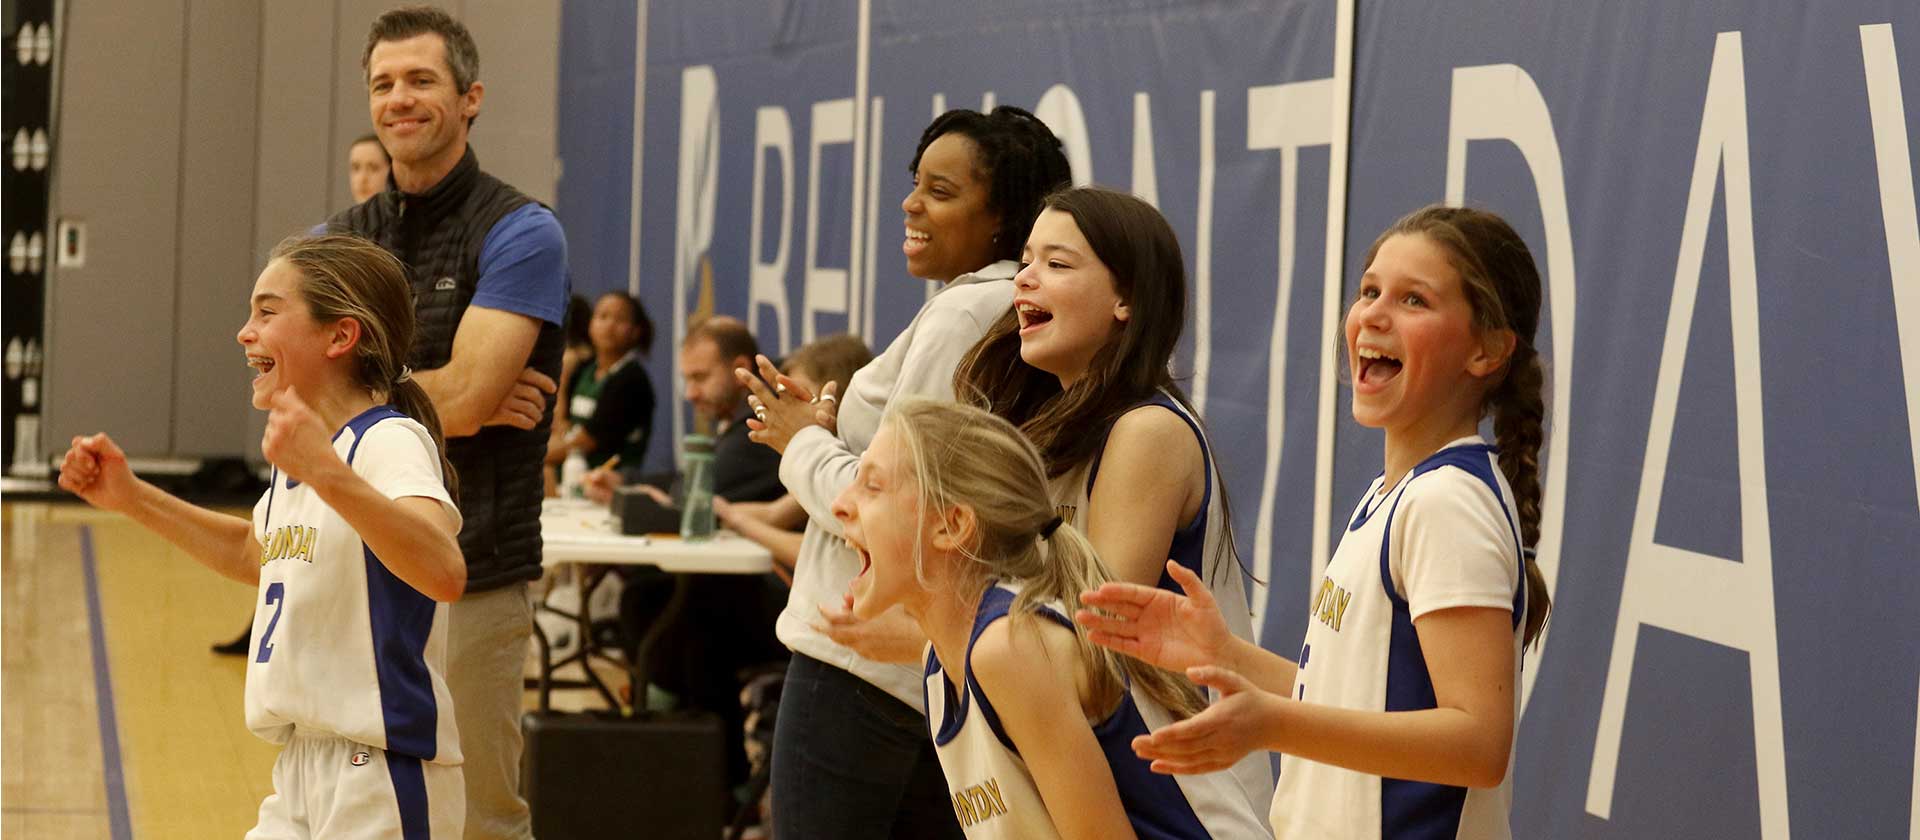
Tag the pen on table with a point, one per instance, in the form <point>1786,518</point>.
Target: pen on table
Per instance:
<point>608,466</point>
<point>604,468</point>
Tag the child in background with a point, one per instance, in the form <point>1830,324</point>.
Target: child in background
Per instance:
<point>610,397</point>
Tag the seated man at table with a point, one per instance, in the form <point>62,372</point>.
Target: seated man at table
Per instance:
<point>743,471</point>
<point>727,624</point>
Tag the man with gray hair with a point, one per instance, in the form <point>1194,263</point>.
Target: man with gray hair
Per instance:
<point>488,267</point>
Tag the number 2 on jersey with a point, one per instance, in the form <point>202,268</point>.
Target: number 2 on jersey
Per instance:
<point>276,597</point>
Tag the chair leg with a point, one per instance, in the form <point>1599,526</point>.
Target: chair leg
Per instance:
<point>756,788</point>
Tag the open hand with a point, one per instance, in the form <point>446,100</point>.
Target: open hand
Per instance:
<point>95,469</point>
<point>1241,721</point>
<point>1175,632</point>
<point>780,411</point>
<point>892,636</point>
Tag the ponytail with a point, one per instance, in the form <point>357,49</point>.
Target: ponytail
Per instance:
<point>1066,565</point>
<point>350,277</point>
<point>1519,414</point>
<point>412,400</point>
<point>965,456</point>
<point>1502,283</point>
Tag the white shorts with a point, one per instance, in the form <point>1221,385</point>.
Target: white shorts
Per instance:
<point>328,788</point>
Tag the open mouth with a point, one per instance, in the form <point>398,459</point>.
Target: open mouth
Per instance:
<point>261,365</point>
<point>1031,316</point>
<point>1376,368</point>
<point>915,242</point>
<point>857,588</point>
<point>866,558</point>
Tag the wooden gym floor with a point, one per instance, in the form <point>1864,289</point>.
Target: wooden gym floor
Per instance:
<point>117,721</point>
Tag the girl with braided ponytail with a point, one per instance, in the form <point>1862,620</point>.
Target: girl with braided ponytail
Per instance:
<point>352,546</point>
<point>952,521</point>
<point>1398,717</point>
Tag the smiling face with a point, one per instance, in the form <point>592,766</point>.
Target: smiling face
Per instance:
<point>1417,360</point>
<point>284,344</point>
<point>418,114</point>
<point>1067,305</point>
<point>950,224</point>
<point>880,515</point>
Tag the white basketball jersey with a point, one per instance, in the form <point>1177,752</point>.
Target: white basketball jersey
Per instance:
<point>1444,537</point>
<point>994,795</point>
<point>340,644</point>
<point>1200,546</point>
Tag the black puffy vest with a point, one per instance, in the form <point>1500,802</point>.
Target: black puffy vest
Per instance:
<point>438,235</point>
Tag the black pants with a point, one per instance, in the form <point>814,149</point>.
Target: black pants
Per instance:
<point>852,762</point>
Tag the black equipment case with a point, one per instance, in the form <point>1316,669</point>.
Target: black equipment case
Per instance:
<point>660,776</point>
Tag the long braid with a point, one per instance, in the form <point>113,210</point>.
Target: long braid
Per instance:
<point>1519,426</point>
<point>1502,282</point>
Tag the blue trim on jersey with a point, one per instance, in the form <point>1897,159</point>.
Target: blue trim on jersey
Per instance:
<point>995,605</point>
<point>273,483</point>
<point>1410,809</point>
<point>1154,802</point>
<point>1370,504</point>
<point>410,793</point>
<point>400,619</point>
<point>1190,541</point>
<point>359,424</point>
<point>954,711</point>
<point>362,422</point>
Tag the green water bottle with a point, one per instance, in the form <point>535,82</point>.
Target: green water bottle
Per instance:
<point>696,511</point>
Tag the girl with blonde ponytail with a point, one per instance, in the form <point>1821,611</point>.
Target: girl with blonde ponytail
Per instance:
<point>352,547</point>
<point>1398,718</point>
<point>950,516</point>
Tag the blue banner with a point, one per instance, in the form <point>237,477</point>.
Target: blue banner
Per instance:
<point>1720,197</point>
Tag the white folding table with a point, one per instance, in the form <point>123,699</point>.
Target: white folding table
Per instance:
<point>577,533</point>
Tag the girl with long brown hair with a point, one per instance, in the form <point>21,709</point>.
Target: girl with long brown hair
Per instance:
<point>352,547</point>
<point>1399,716</point>
<point>1081,366</point>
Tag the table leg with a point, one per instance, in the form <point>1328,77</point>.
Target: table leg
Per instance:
<point>638,669</point>
<point>583,626</point>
